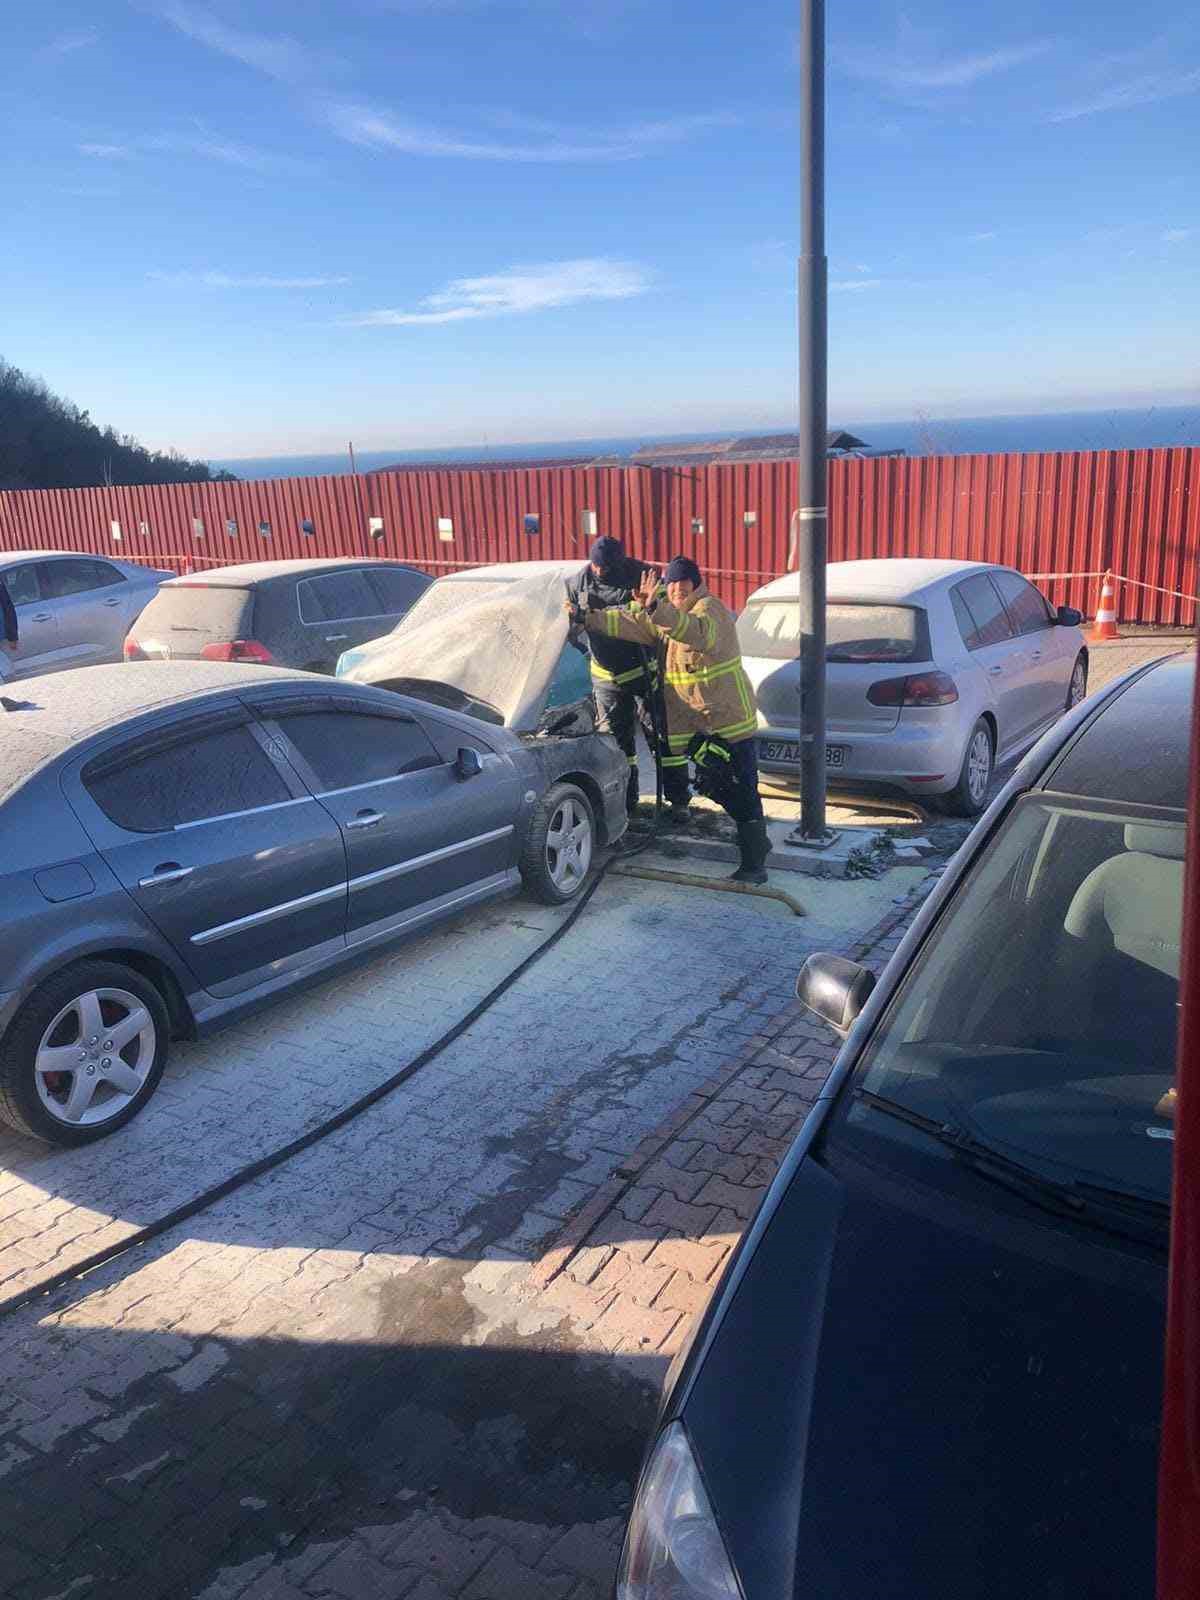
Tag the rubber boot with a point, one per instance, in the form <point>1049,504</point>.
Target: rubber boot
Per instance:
<point>755,846</point>
<point>632,792</point>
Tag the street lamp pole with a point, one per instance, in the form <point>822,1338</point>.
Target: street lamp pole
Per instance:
<point>812,532</point>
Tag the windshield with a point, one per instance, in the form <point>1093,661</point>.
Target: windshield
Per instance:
<point>1040,1019</point>
<point>770,630</point>
<point>199,608</point>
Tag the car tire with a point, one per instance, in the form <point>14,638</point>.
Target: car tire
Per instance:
<point>54,1019</point>
<point>1077,688</point>
<point>559,845</point>
<point>969,795</point>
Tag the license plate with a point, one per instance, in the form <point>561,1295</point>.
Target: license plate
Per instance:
<point>787,750</point>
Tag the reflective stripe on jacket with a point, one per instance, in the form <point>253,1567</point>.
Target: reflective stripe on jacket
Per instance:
<point>706,687</point>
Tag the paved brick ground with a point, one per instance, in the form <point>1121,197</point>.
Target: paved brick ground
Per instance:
<point>420,1360</point>
<point>341,1380</point>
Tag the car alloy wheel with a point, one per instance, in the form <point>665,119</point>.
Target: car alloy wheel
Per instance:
<point>979,765</point>
<point>95,1057</point>
<point>569,846</point>
<point>1078,689</point>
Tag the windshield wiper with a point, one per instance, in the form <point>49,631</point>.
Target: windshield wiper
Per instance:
<point>1069,1197</point>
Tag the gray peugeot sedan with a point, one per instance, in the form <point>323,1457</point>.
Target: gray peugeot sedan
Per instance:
<point>185,841</point>
<point>72,609</point>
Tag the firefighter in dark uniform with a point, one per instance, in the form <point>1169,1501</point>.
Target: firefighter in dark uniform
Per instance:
<point>624,673</point>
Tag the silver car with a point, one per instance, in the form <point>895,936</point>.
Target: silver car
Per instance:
<point>72,610</point>
<point>184,841</point>
<point>937,672</point>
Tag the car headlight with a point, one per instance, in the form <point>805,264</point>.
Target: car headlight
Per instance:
<point>348,660</point>
<point>673,1548</point>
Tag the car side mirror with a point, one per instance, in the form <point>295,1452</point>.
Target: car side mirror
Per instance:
<point>468,764</point>
<point>834,989</point>
<point>1068,617</point>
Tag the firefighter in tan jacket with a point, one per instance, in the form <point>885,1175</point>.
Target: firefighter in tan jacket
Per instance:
<point>710,709</point>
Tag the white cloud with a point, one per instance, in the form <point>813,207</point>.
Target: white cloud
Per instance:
<point>228,152</point>
<point>75,39</point>
<point>516,292</point>
<point>916,70</point>
<point>225,280</point>
<point>850,285</point>
<point>1178,235</point>
<point>200,142</point>
<point>1124,94</point>
<point>275,54</point>
<point>379,129</point>
<point>982,235</point>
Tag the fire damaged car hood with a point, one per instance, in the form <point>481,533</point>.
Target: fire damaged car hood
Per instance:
<point>502,656</point>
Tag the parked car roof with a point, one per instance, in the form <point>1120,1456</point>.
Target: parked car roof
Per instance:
<point>9,557</point>
<point>243,575</point>
<point>1136,750</point>
<point>902,578</point>
<point>61,708</point>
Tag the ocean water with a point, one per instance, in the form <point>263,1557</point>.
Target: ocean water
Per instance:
<point>1059,430</point>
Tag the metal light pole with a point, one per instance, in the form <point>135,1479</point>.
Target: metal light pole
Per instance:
<point>812,542</point>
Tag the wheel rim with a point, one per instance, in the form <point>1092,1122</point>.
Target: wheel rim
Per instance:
<point>569,846</point>
<point>979,765</point>
<point>95,1057</point>
<point>1078,684</point>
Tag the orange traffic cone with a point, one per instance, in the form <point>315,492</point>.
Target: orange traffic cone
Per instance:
<point>1105,626</point>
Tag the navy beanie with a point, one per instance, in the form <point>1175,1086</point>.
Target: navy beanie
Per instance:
<point>607,552</point>
<point>683,570</point>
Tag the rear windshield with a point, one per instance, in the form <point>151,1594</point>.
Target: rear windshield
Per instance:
<point>770,629</point>
<point>1039,1023</point>
<point>194,608</point>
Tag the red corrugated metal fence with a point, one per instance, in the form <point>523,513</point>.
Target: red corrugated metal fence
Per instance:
<point>1135,511</point>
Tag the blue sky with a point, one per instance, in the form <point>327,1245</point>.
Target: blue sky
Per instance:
<point>272,225</point>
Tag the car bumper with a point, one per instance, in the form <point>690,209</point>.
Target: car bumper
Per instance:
<point>918,755</point>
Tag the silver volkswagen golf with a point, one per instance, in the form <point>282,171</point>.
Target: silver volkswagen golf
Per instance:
<point>936,673</point>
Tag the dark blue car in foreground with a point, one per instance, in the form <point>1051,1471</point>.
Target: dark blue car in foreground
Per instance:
<point>934,1367</point>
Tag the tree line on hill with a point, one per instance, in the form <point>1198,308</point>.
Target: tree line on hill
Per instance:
<point>47,442</point>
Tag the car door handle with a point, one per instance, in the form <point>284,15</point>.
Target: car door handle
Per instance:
<point>335,638</point>
<point>996,672</point>
<point>1035,655</point>
<point>115,601</point>
<point>43,616</point>
<point>165,872</point>
<point>365,819</point>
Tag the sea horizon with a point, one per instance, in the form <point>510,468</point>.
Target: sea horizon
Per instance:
<point>1133,428</point>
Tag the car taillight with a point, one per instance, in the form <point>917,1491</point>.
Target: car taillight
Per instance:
<point>132,650</point>
<point>238,650</point>
<point>918,689</point>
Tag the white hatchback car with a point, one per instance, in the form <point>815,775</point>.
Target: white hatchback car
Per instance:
<point>937,671</point>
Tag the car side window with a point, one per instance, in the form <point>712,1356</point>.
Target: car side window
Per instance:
<point>395,589</point>
<point>1029,612</point>
<point>105,575</point>
<point>980,599</point>
<point>22,584</point>
<point>60,579</point>
<point>337,597</point>
<point>188,780</point>
<point>345,749</point>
